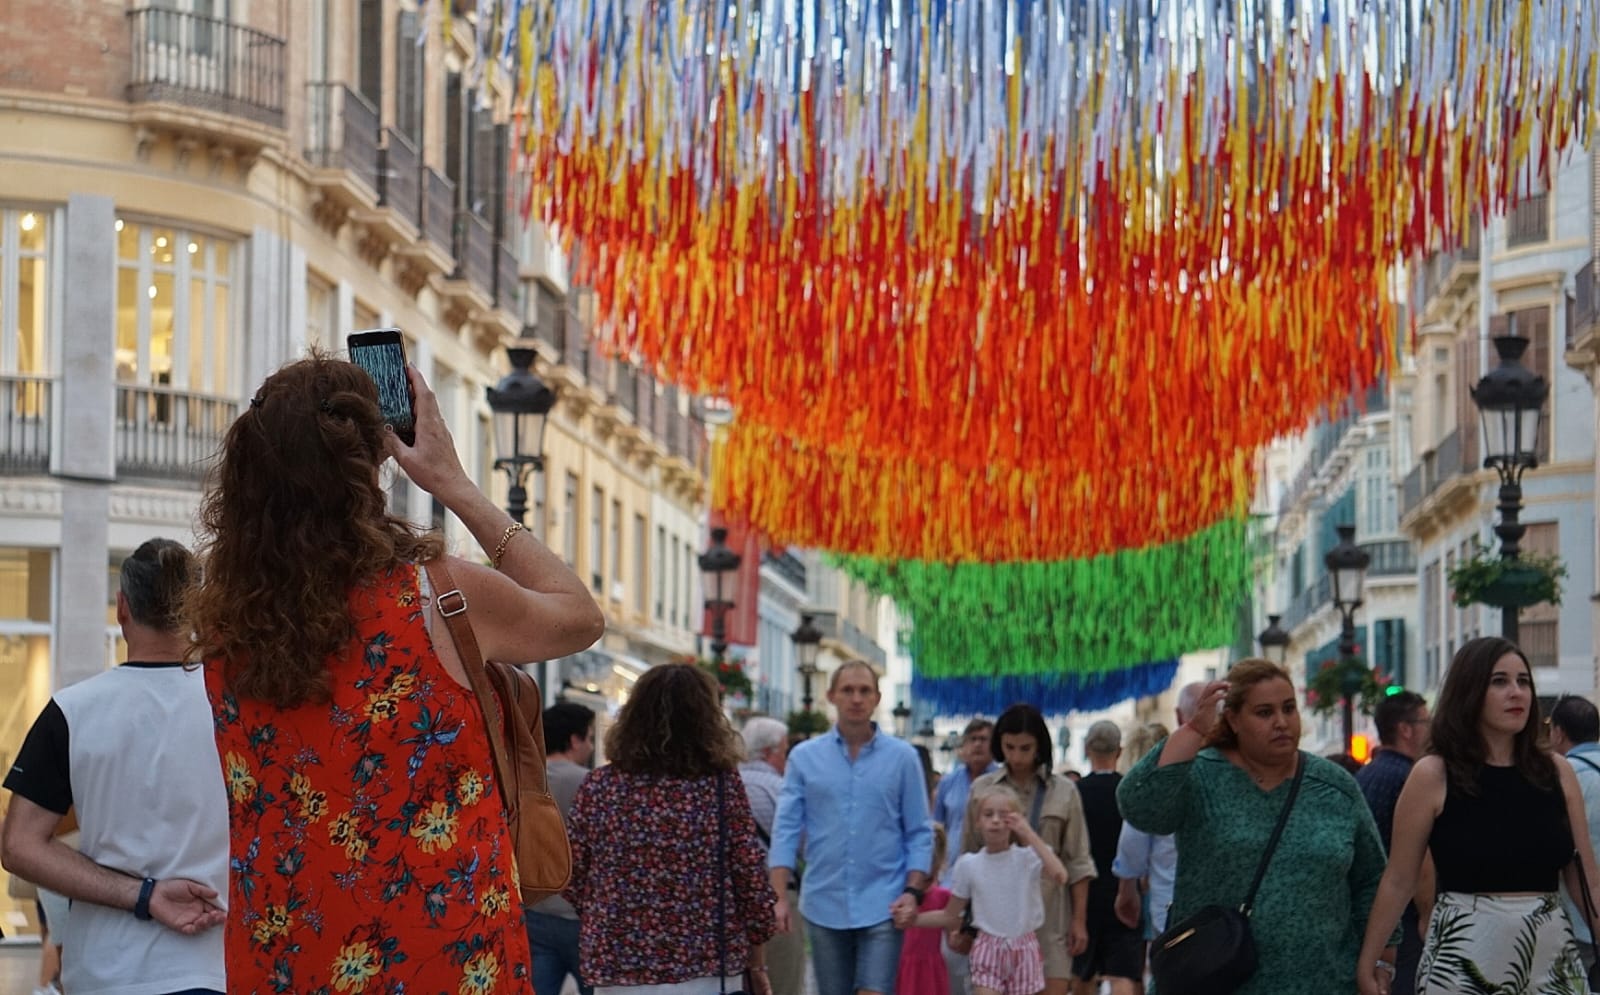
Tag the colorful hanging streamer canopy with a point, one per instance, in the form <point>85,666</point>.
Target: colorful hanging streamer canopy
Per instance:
<point>1010,292</point>
<point>1052,694</point>
<point>1080,616</point>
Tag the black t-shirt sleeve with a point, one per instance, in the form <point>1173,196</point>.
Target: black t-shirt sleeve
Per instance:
<point>42,772</point>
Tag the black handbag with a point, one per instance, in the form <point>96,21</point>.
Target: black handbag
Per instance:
<point>1212,952</point>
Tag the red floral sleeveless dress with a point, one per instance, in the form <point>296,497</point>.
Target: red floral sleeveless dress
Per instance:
<point>369,849</point>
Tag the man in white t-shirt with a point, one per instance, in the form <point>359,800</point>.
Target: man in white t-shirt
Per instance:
<point>132,752</point>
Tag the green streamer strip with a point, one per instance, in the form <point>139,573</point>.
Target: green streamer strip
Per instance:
<point>1086,616</point>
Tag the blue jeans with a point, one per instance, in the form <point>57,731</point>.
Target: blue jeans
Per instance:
<point>555,952</point>
<point>846,961</point>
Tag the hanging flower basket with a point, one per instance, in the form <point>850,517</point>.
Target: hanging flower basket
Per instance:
<point>1326,691</point>
<point>808,723</point>
<point>729,675</point>
<point>1488,579</point>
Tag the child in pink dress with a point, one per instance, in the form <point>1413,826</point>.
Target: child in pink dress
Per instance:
<point>922,968</point>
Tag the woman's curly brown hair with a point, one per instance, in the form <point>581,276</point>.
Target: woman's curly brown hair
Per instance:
<point>294,519</point>
<point>673,725</point>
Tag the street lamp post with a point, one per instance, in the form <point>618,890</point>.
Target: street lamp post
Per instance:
<point>521,404</point>
<point>1274,641</point>
<point>1510,400</point>
<point>715,562</point>
<point>902,719</point>
<point>1348,562</point>
<point>807,639</point>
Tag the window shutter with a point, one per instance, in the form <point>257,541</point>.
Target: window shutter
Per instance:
<point>454,147</point>
<point>1534,325</point>
<point>370,68</point>
<point>408,57</point>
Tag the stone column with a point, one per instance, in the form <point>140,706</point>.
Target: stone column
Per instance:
<point>85,449</point>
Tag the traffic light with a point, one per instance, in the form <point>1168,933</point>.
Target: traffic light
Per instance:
<point>1361,747</point>
<point>1392,689</point>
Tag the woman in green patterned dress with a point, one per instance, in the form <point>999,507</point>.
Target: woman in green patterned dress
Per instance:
<point>1503,819</point>
<point>1219,782</point>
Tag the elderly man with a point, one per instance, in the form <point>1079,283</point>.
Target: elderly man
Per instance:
<point>1575,732</point>
<point>766,750</point>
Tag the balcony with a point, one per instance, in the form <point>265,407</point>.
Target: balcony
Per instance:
<point>788,566</point>
<point>205,64</point>
<point>1529,221</point>
<point>342,148</point>
<point>24,425</point>
<point>1436,467</point>
<point>400,177</point>
<point>1443,272</point>
<point>1583,315</point>
<point>507,279</point>
<point>1395,558</point>
<point>438,212</point>
<point>169,435</point>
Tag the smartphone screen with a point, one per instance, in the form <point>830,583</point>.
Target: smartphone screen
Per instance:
<point>382,353</point>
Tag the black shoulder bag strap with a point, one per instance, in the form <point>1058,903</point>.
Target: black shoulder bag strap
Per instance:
<point>722,870</point>
<point>1277,831</point>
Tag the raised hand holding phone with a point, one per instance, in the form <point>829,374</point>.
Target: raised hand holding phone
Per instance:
<point>382,353</point>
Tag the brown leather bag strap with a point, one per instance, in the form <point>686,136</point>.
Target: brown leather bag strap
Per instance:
<point>452,605</point>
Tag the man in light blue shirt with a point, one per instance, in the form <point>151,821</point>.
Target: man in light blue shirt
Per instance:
<point>859,799</point>
<point>1575,732</point>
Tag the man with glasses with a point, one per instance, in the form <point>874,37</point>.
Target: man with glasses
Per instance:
<point>1575,732</point>
<point>1402,721</point>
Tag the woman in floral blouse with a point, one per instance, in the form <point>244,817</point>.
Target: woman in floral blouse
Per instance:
<point>668,877</point>
<point>369,851</point>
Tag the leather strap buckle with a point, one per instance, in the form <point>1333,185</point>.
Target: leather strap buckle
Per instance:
<point>455,608</point>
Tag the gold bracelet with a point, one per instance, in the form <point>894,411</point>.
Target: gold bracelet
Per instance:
<point>505,538</point>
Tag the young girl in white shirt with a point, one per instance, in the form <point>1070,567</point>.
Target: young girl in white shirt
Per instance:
<point>1002,883</point>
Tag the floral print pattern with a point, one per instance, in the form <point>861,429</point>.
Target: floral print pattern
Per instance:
<point>369,850</point>
<point>646,881</point>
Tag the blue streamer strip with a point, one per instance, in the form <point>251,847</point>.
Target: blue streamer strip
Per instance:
<point>1052,694</point>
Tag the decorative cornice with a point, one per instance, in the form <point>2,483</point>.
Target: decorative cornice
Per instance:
<point>154,505</point>
<point>30,496</point>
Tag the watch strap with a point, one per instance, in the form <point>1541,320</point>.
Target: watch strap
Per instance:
<point>141,907</point>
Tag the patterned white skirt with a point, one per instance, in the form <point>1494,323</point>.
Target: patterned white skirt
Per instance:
<point>1508,946</point>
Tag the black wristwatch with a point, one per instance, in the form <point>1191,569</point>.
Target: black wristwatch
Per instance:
<point>141,907</point>
<point>916,893</point>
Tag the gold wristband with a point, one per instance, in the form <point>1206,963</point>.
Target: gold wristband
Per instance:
<point>505,538</point>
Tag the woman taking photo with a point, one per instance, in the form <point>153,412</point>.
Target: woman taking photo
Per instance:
<point>1020,741</point>
<point>369,847</point>
<point>668,875</point>
<point>1220,783</point>
<point>1502,818</point>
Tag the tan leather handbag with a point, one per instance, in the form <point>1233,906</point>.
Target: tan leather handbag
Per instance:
<point>513,711</point>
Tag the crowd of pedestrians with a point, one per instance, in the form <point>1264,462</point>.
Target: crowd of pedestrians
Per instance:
<point>290,787</point>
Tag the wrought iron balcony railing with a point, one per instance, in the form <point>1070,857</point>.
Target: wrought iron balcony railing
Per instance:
<point>438,211</point>
<point>24,424</point>
<point>168,434</point>
<point>206,63</point>
<point>342,132</point>
<point>400,176</point>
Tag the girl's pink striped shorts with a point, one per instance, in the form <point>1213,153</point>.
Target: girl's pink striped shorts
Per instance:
<point>1011,966</point>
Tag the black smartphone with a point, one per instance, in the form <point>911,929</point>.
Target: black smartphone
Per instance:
<point>382,353</point>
